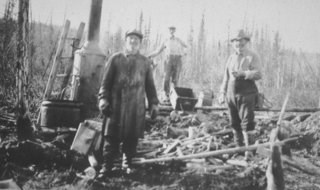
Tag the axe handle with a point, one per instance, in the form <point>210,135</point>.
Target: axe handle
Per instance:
<point>105,122</point>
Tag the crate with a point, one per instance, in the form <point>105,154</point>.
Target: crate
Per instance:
<point>88,137</point>
<point>182,99</point>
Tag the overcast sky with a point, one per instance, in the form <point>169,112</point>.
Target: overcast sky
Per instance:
<point>298,21</point>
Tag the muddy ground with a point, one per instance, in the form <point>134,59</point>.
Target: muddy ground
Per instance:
<point>46,162</point>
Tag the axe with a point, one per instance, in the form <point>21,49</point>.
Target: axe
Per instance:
<point>105,123</point>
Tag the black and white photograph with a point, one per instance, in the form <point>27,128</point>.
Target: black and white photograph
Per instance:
<point>160,94</point>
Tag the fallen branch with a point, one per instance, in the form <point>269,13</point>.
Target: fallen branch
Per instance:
<point>213,153</point>
<point>223,132</point>
<point>238,163</point>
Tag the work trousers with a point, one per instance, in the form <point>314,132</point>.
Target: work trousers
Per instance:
<point>112,149</point>
<point>173,67</point>
<point>241,109</point>
<point>241,100</point>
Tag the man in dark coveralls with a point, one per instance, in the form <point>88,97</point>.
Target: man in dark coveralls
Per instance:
<point>127,79</point>
<point>239,89</point>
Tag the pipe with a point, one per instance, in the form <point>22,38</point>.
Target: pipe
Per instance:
<point>94,21</point>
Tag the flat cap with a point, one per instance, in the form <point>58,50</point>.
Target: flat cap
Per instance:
<point>134,32</point>
<point>240,34</point>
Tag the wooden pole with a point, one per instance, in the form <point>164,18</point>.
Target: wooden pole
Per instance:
<point>56,59</point>
<point>283,109</point>
<point>213,153</point>
<point>274,173</point>
<point>210,108</point>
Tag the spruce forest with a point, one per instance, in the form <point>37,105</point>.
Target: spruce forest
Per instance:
<point>284,69</point>
<point>53,128</point>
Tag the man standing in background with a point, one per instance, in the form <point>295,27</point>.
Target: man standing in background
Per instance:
<point>175,49</point>
<point>239,89</point>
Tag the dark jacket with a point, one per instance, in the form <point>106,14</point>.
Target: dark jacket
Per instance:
<point>126,81</point>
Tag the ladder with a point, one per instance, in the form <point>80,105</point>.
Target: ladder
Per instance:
<point>57,61</point>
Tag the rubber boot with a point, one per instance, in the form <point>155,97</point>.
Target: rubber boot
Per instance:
<point>127,163</point>
<point>106,167</point>
<point>238,138</point>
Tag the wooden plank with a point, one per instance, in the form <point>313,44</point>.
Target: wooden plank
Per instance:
<point>60,48</point>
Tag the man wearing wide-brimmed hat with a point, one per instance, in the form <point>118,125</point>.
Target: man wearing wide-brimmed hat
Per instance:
<point>175,49</point>
<point>238,87</point>
<point>127,80</point>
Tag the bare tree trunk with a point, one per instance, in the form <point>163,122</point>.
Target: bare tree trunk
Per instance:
<point>22,51</point>
<point>24,129</point>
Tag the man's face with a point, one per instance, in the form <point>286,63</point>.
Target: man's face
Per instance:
<point>239,45</point>
<point>133,43</point>
<point>172,31</point>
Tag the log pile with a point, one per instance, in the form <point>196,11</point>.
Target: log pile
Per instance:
<point>311,134</point>
<point>208,144</point>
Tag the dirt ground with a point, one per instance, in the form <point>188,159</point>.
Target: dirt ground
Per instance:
<point>46,162</point>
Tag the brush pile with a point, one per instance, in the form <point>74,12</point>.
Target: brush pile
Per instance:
<point>175,154</point>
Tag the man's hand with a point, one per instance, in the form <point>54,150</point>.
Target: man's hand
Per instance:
<point>104,106</point>
<point>151,56</point>
<point>153,64</point>
<point>154,111</point>
<point>222,98</point>
<point>238,74</point>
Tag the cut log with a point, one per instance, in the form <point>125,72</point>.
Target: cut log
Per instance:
<point>172,146</point>
<point>179,152</point>
<point>188,141</point>
<point>274,173</point>
<point>209,144</point>
<point>165,108</point>
<point>238,163</point>
<point>173,132</point>
<point>300,118</point>
<point>223,132</point>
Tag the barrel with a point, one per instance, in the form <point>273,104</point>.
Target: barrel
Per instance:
<point>60,113</point>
